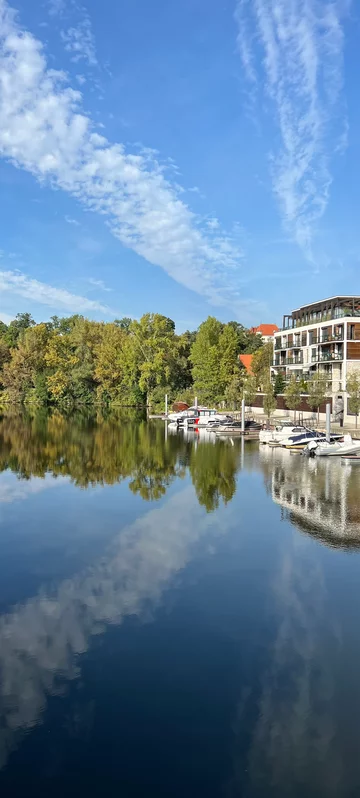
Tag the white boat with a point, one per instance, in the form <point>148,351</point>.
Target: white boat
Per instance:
<point>336,448</point>
<point>302,440</point>
<point>280,433</point>
<point>197,415</point>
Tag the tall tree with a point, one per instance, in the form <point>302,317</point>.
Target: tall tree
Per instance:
<point>353,389</point>
<point>270,402</point>
<point>317,389</point>
<point>228,357</point>
<point>205,358</point>
<point>261,364</point>
<point>293,395</point>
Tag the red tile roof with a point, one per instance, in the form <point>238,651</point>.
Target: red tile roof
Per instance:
<point>265,329</point>
<point>246,360</point>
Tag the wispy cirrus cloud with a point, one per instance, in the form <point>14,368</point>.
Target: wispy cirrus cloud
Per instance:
<point>72,221</point>
<point>18,284</point>
<point>99,284</point>
<point>294,48</point>
<point>44,131</point>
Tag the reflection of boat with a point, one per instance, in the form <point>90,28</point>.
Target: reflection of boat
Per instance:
<point>350,458</point>
<point>337,448</point>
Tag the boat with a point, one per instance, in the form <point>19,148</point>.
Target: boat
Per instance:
<point>333,449</point>
<point>235,428</point>
<point>197,414</point>
<point>301,440</point>
<point>281,432</point>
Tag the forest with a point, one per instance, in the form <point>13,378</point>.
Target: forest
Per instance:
<point>74,361</point>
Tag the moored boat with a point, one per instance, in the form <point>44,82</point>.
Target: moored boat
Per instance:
<point>301,440</point>
<point>333,449</point>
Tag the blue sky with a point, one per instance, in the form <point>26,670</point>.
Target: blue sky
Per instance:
<point>183,158</point>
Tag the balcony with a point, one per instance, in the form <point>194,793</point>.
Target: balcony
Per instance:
<point>327,358</point>
<point>329,338</point>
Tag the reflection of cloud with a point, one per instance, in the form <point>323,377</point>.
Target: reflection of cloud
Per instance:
<point>12,489</point>
<point>295,739</point>
<point>39,640</point>
<point>295,736</point>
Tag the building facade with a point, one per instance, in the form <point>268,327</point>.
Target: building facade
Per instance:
<point>322,337</point>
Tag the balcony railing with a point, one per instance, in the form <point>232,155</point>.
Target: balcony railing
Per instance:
<point>290,361</point>
<point>327,358</point>
<point>338,314</point>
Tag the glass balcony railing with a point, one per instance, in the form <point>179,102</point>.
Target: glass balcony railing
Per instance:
<point>320,358</point>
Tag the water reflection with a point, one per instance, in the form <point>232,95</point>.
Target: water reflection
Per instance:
<point>41,639</point>
<point>111,450</point>
<point>319,496</point>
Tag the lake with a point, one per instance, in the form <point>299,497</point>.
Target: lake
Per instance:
<point>179,615</point>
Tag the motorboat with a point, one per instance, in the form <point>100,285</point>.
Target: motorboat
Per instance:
<point>300,441</point>
<point>235,427</point>
<point>335,448</point>
<point>281,432</point>
<point>198,414</point>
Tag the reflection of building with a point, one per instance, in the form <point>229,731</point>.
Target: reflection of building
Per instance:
<point>319,496</point>
<point>321,337</point>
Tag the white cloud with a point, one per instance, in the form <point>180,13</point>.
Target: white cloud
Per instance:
<point>6,317</point>
<point>69,220</point>
<point>44,131</point>
<point>81,79</point>
<point>302,70</point>
<point>24,286</point>
<point>99,284</point>
<point>79,41</point>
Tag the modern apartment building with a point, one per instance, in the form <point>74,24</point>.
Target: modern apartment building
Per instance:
<point>321,337</point>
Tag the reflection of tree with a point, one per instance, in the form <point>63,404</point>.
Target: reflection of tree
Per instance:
<point>213,471</point>
<point>102,452</point>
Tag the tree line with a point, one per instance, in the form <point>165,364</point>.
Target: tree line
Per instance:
<point>75,361</point>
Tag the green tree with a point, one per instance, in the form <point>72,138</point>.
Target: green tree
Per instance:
<point>292,395</point>
<point>279,384</point>
<point>261,364</point>
<point>270,402</point>
<point>228,357</point>
<point>235,388</point>
<point>206,361</point>
<point>247,341</point>
<point>249,389</point>
<point>17,327</point>
<point>353,389</point>
<point>317,387</point>
<point>155,350</point>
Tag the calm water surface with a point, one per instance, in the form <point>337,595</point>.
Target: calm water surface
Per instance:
<point>179,615</point>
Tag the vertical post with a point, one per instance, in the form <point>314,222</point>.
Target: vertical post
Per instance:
<point>166,404</point>
<point>328,422</point>
<point>243,416</point>
<point>196,402</point>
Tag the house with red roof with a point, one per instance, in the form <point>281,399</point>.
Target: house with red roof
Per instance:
<point>246,360</point>
<point>266,331</point>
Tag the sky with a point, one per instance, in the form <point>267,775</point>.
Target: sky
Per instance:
<point>189,158</point>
